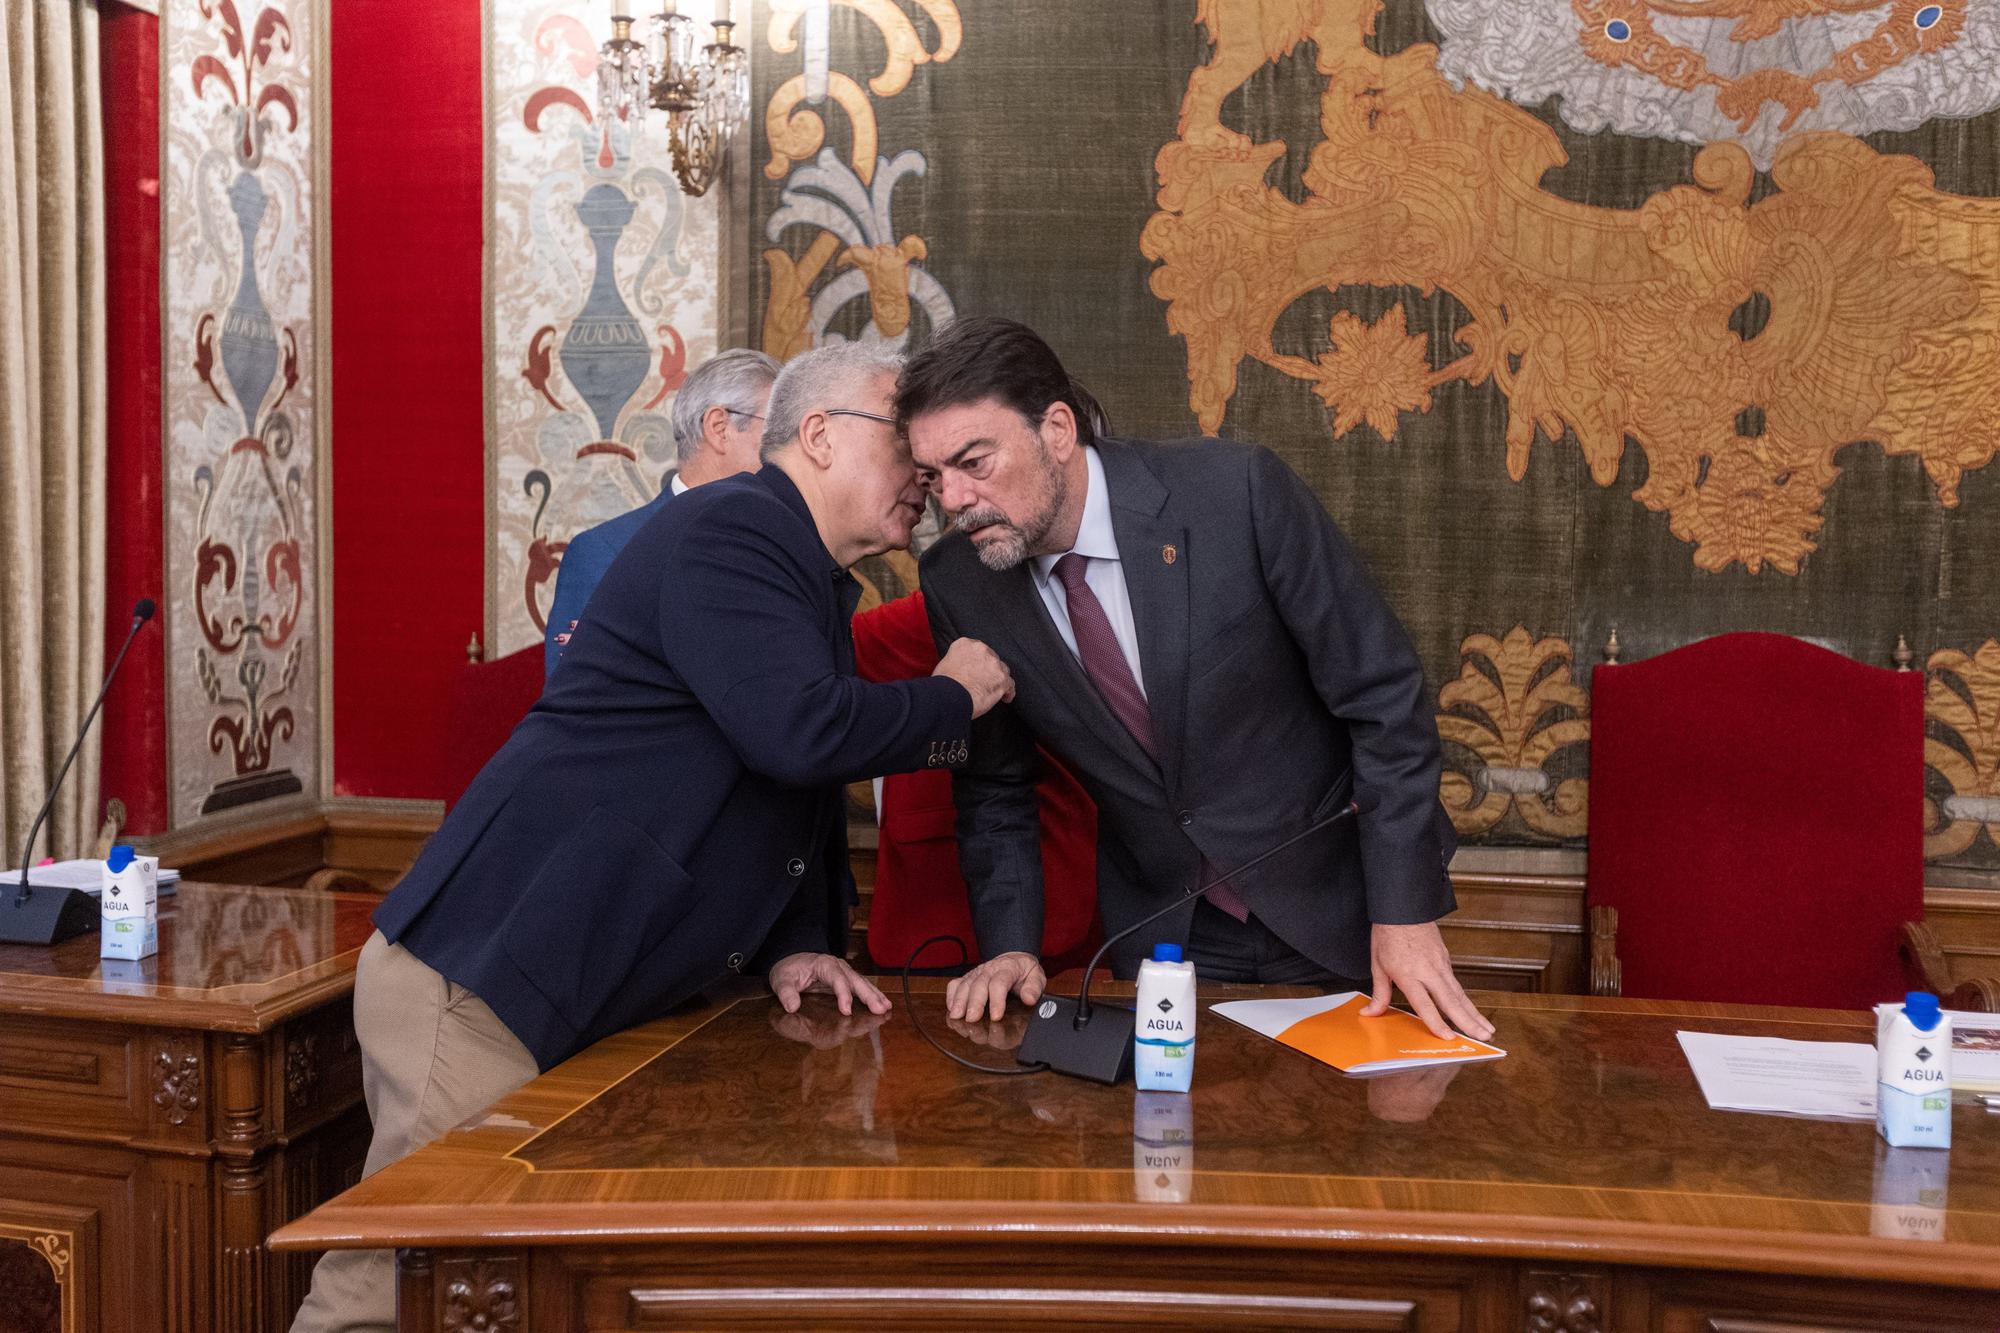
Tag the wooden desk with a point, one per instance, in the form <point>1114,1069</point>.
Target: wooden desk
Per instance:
<point>158,1118</point>
<point>735,1168</point>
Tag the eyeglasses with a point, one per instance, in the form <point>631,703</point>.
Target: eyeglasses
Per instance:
<point>739,412</point>
<point>857,412</point>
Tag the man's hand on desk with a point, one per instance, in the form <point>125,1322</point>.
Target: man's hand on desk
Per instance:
<point>1414,958</point>
<point>983,990</point>
<point>804,972</point>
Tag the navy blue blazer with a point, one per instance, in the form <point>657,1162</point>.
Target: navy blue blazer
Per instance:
<point>584,561</point>
<point>671,811</point>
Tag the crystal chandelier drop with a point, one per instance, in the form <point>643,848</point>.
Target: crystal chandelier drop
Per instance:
<point>704,89</point>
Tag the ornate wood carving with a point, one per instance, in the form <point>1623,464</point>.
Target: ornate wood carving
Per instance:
<point>481,1296</point>
<point>177,1079</point>
<point>301,1069</point>
<point>1562,1303</point>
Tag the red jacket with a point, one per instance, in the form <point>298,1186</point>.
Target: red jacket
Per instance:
<point>918,889</point>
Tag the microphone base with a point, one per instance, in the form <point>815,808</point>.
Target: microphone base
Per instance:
<point>50,915</point>
<point>1100,1049</point>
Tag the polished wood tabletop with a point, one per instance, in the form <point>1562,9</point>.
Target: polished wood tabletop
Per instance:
<point>232,958</point>
<point>1589,1141</point>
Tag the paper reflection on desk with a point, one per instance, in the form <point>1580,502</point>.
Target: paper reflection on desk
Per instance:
<point>1162,1147</point>
<point>1909,1201</point>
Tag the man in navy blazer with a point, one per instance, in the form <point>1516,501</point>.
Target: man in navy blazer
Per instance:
<point>671,812</point>
<point>718,422</point>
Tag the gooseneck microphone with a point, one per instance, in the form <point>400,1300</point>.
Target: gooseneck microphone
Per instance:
<point>1070,1037</point>
<point>56,914</point>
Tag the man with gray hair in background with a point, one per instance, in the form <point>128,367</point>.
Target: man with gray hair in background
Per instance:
<point>718,418</point>
<point>671,813</point>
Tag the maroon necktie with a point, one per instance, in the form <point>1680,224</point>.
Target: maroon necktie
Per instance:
<point>1104,662</point>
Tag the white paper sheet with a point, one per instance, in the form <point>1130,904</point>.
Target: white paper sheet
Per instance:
<point>1975,1051</point>
<point>85,874</point>
<point>1825,1079</point>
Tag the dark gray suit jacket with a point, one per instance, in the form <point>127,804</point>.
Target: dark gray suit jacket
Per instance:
<point>1278,681</point>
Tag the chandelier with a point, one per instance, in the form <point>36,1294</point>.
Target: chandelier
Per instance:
<point>705,90</point>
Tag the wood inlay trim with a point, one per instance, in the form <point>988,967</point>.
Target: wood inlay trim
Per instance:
<point>681,1304</point>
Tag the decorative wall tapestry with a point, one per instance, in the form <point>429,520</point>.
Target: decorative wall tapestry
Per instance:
<point>837,268</point>
<point>1662,317</point>
<point>237,253</point>
<point>602,287</point>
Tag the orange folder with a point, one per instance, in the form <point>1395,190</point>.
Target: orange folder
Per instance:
<point>1330,1029</point>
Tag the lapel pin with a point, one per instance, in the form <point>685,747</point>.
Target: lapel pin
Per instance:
<point>1169,554</point>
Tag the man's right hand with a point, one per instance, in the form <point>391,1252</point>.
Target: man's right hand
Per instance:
<point>982,673</point>
<point>982,992</point>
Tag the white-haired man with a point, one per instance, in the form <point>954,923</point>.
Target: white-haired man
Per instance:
<point>718,419</point>
<point>670,813</point>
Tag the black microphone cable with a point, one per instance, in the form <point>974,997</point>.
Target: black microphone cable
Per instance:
<point>910,1007</point>
<point>1360,803</point>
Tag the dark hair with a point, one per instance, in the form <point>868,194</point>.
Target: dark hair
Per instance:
<point>984,356</point>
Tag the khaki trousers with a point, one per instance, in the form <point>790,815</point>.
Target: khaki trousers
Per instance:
<point>432,1055</point>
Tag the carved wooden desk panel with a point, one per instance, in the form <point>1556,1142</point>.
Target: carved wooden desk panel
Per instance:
<point>737,1167</point>
<point>159,1117</point>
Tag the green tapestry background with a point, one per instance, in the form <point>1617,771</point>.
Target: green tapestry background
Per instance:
<point>1840,311</point>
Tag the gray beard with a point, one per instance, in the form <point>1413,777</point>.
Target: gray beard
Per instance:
<point>1018,540</point>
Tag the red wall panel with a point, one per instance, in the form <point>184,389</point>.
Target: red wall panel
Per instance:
<point>134,720</point>
<point>408,425</point>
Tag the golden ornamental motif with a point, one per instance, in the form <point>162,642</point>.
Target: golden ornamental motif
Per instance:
<point>845,204</point>
<point>1962,747</point>
<point>54,1248</point>
<point>1373,373</point>
<point>795,131</point>
<point>1514,706</point>
<point>1853,302</point>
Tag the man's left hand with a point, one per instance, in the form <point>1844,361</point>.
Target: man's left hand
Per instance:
<point>1415,959</point>
<point>802,973</point>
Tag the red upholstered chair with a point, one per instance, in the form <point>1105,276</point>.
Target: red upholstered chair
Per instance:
<point>919,891</point>
<point>1756,825</point>
<point>487,701</point>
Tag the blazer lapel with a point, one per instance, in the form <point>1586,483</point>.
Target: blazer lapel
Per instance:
<point>1042,650</point>
<point>1153,554</point>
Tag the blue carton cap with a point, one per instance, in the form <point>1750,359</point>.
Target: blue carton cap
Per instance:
<point>1921,1007</point>
<point>121,856</point>
<point>1166,953</point>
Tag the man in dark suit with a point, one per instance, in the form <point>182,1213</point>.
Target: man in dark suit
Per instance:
<point>671,812</point>
<point>718,420</point>
<point>1195,640</point>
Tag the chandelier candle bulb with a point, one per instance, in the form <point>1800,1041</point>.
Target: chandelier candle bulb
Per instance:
<point>1163,1038</point>
<point>1913,1054</point>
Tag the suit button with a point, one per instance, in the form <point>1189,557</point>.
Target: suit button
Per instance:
<point>1187,818</point>
<point>736,962</point>
<point>795,867</point>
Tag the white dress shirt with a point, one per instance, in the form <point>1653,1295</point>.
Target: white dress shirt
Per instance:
<point>678,486</point>
<point>1103,574</point>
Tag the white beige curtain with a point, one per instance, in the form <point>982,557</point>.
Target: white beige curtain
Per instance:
<point>51,414</point>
